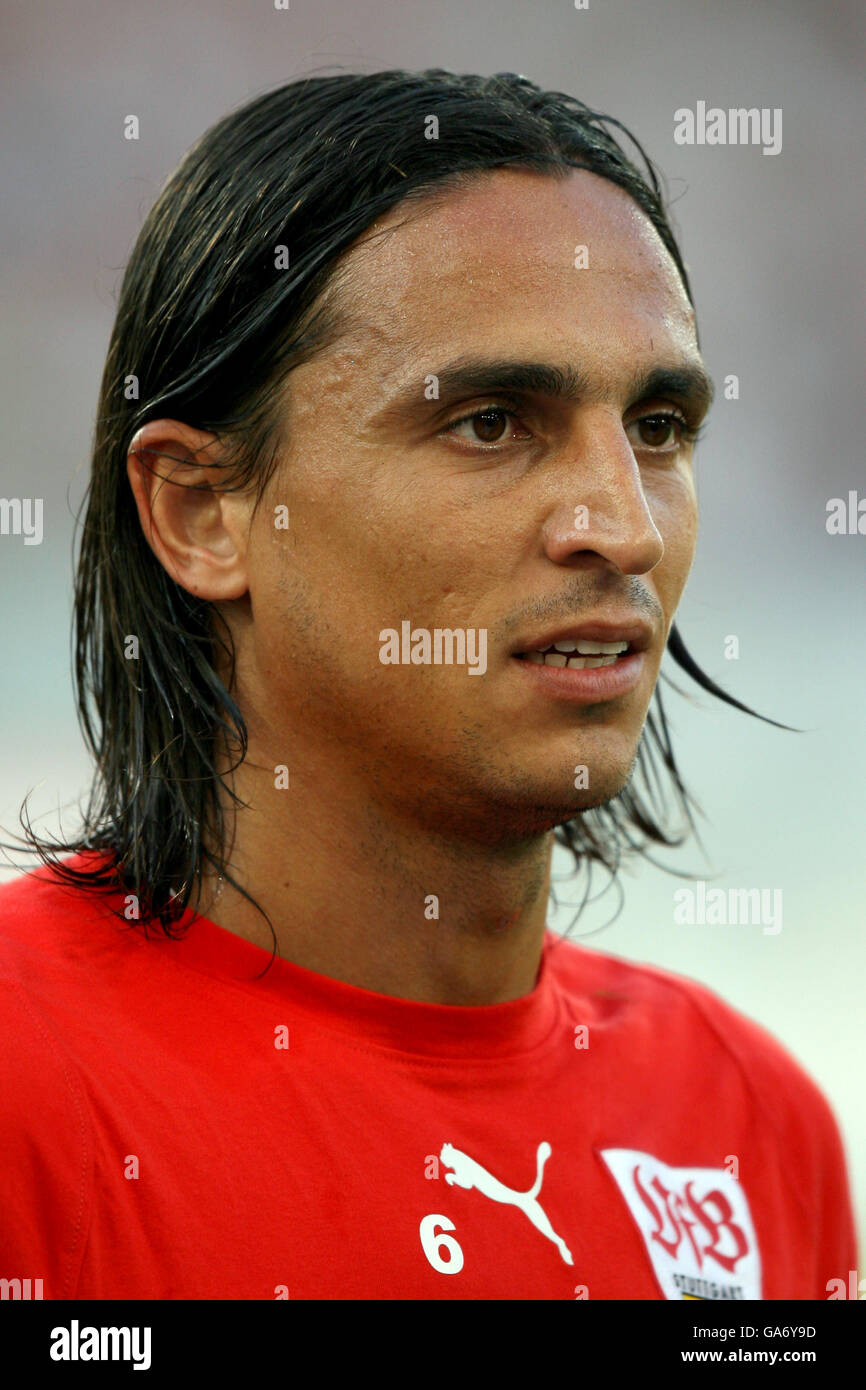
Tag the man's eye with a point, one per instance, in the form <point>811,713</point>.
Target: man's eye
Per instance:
<point>487,426</point>
<point>661,432</point>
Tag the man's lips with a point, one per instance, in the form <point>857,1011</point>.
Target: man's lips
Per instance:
<point>634,631</point>
<point>610,665</point>
<point>590,685</point>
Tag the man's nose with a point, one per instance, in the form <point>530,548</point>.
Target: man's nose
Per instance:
<point>600,506</point>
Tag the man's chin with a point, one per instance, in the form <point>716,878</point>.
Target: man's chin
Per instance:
<point>515,802</point>
<point>562,817</point>
<point>539,816</point>
<point>589,788</point>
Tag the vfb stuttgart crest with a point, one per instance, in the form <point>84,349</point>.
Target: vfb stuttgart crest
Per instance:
<point>695,1223</point>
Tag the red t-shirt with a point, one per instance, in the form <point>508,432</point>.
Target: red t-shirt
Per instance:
<point>176,1124</point>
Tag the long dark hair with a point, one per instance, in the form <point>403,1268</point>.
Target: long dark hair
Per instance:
<point>207,330</point>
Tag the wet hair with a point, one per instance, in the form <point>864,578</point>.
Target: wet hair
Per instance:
<point>207,332</point>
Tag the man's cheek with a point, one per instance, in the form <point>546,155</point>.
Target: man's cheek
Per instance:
<point>678,559</point>
<point>678,529</point>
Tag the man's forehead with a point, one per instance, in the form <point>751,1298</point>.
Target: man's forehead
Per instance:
<point>506,219</point>
<point>502,252</point>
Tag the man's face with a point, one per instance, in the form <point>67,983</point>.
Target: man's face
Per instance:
<point>539,515</point>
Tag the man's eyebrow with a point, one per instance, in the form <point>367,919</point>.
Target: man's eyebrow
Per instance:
<point>478,376</point>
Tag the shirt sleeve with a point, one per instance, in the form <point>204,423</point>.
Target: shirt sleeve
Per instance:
<point>46,1155</point>
<point>836,1245</point>
<point>809,1149</point>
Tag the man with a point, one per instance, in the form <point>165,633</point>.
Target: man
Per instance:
<point>391,511</point>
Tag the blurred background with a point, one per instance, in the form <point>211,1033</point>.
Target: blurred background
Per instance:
<point>774,249</point>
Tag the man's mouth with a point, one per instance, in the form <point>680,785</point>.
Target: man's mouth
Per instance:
<point>577,655</point>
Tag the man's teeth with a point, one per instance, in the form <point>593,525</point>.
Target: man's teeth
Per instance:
<point>587,648</point>
<point>573,662</point>
<point>591,654</point>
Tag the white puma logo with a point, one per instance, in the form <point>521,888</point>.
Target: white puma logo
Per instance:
<point>467,1173</point>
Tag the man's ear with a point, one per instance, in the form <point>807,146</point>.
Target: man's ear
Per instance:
<point>197,532</point>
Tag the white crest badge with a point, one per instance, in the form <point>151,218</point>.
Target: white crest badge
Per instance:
<point>696,1226</point>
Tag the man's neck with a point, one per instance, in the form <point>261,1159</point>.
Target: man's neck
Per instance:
<point>361,894</point>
